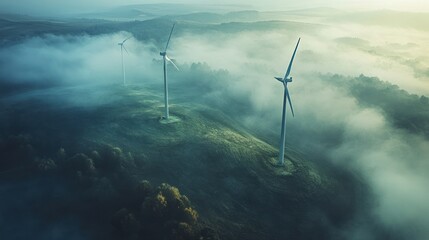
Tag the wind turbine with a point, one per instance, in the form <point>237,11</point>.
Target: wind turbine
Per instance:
<point>122,56</point>
<point>285,81</point>
<point>165,58</point>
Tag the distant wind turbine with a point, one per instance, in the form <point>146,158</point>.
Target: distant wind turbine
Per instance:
<point>285,81</point>
<point>165,59</point>
<point>122,56</point>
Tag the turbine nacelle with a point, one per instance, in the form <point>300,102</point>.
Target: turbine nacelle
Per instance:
<point>163,54</point>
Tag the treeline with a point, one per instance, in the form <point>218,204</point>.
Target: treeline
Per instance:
<point>405,110</point>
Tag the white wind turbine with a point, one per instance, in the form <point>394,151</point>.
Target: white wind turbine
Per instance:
<point>165,59</point>
<point>285,81</point>
<point>122,56</point>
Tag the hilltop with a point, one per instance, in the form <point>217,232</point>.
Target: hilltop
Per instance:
<point>230,175</point>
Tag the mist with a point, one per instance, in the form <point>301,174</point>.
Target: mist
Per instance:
<point>74,64</point>
<point>330,123</point>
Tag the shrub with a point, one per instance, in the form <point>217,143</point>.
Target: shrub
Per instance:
<point>125,222</point>
<point>164,214</point>
<point>45,164</point>
<point>143,190</point>
<point>81,162</point>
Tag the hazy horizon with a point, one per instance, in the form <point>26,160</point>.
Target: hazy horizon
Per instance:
<point>54,8</point>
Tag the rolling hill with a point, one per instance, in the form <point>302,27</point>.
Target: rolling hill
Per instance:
<point>230,175</point>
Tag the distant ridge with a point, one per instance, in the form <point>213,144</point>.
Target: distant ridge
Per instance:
<point>147,11</point>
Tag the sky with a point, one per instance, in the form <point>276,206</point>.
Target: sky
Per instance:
<point>47,7</point>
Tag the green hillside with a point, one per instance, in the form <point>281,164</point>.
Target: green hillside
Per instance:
<point>230,176</point>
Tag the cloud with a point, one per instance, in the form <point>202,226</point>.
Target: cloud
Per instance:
<point>394,164</point>
<point>70,59</point>
<point>60,64</point>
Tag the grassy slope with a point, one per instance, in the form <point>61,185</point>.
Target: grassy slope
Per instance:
<point>230,175</point>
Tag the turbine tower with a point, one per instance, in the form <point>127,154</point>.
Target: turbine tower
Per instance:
<point>285,81</point>
<point>122,56</point>
<point>165,58</point>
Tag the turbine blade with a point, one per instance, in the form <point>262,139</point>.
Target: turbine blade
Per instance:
<point>126,39</point>
<point>279,79</point>
<point>290,102</point>
<point>169,37</point>
<point>125,49</point>
<point>168,59</point>
<point>291,60</point>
